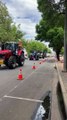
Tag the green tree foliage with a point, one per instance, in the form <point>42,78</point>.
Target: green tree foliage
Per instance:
<point>18,33</point>
<point>55,35</point>
<point>62,51</point>
<point>51,11</point>
<point>35,45</point>
<point>41,30</point>
<point>5,22</point>
<point>50,28</point>
<point>8,30</point>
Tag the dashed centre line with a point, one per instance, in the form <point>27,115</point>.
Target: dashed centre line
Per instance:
<point>25,99</point>
<point>19,98</point>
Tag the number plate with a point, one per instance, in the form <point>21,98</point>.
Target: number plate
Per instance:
<point>1,62</point>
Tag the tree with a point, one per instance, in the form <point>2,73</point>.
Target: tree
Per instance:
<point>52,34</point>
<point>55,37</point>
<point>36,46</point>
<point>62,51</point>
<point>16,33</point>
<point>41,30</point>
<point>8,30</point>
<point>5,23</point>
<point>51,10</point>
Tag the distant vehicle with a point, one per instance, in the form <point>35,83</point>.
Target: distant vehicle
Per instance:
<point>42,55</point>
<point>31,56</point>
<point>25,53</point>
<point>11,54</point>
<point>34,56</point>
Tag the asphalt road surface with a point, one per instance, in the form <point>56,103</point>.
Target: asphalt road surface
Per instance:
<point>19,98</point>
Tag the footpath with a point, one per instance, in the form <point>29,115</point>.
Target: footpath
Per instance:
<point>62,78</point>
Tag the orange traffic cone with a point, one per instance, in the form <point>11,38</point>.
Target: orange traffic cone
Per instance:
<point>20,76</point>
<point>34,67</point>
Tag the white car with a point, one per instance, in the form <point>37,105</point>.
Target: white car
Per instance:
<point>25,53</point>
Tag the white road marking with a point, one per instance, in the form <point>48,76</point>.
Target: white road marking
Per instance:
<point>12,89</point>
<point>19,83</point>
<point>23,80</point>
<point>25,99</point>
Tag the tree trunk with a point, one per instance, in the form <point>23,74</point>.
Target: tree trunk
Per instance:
<point>57,55</point>
<point>65,38</point>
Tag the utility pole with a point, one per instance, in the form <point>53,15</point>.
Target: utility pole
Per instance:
<point>65,38</point>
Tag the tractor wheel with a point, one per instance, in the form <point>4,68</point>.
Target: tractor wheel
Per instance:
<point>6,63</point>
<point>12,62</point>
<point>21,60</point>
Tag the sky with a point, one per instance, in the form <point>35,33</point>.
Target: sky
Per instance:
<point>24,12</point>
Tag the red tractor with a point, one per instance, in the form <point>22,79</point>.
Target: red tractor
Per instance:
<point>11,54</point>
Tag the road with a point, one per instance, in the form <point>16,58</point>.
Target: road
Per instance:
<point>19,99</point>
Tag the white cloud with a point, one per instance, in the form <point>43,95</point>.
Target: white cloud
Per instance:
<point>28,26</point>
<point>24,12</point>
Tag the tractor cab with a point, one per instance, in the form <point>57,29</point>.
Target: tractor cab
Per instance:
<point>11,46</point>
